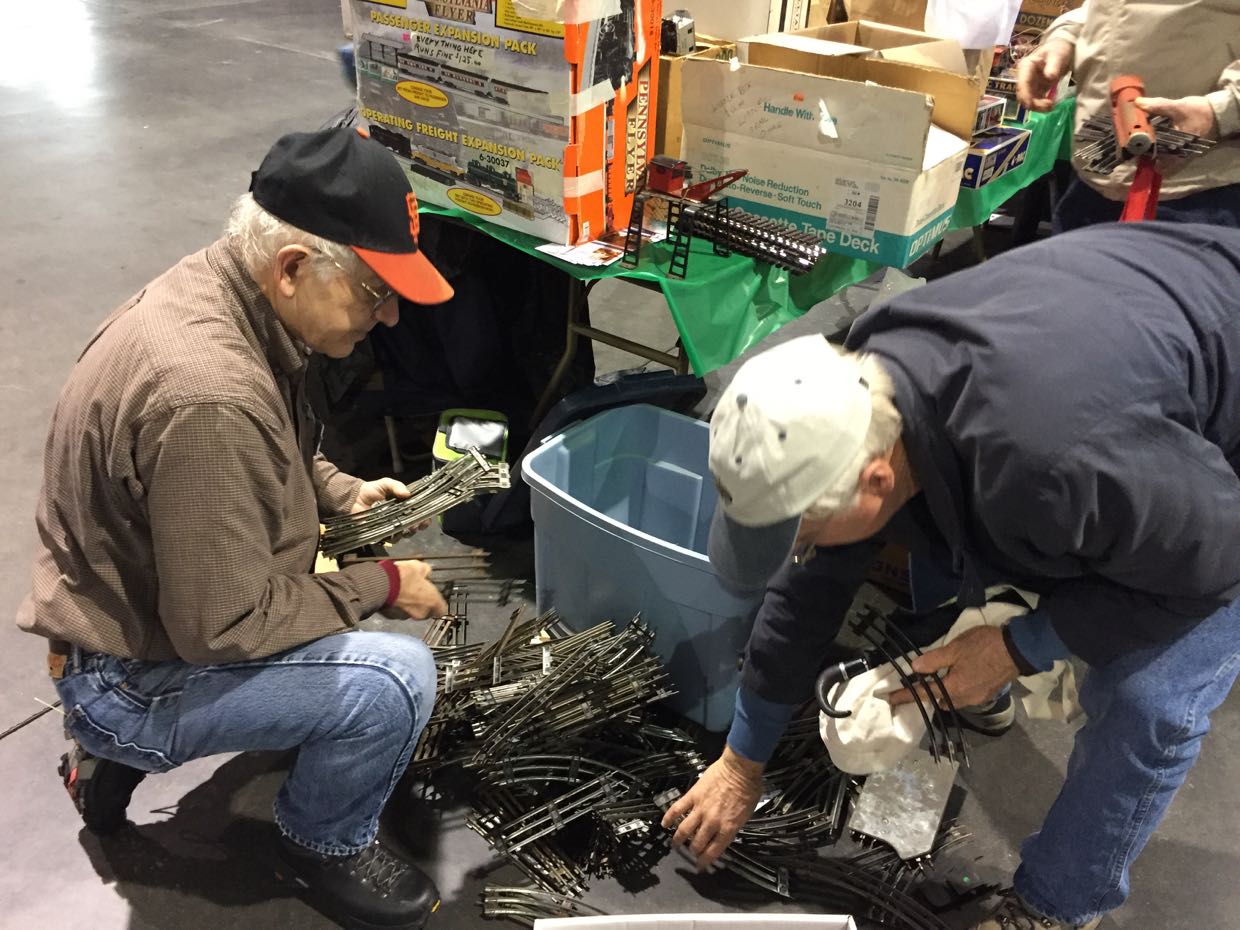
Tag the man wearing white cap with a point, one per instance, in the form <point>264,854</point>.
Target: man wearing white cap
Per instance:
<point>1075,432</point>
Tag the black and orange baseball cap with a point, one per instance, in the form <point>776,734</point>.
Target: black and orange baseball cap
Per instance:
<point>344,187</point>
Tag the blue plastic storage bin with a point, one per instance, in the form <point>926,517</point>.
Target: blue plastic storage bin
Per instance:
<point>622,504</point>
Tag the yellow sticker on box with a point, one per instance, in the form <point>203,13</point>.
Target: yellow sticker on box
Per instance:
<point>507,17</point>
<point>474,202</point>
<point>424,95</point>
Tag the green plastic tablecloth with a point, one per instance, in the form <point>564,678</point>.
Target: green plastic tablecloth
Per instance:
<point>1050,140</point>
<point>727,305</point>
<point>724,306</point>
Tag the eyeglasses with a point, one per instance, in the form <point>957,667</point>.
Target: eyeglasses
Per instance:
<point>379,297</point>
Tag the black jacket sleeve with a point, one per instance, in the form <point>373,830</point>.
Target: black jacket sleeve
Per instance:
<point>802,612</point>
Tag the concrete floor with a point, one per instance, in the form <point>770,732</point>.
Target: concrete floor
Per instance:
<point>126,127</point>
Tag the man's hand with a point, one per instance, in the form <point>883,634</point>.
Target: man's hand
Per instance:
<point>1188,114</point>
<point>1040,72</point>
<point>372,492</point>
<point>977,665</point>
<point>418,596</point>
<point>716,807</point>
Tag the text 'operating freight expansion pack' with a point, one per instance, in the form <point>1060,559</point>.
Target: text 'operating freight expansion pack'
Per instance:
<point>539,125</point>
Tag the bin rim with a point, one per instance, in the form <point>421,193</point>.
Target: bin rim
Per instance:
<point>570,503</point>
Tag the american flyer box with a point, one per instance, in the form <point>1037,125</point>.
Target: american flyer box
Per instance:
<point>866,153</point>
<point>700,922</point>
<point>537,123</point>
<point>993,154</point>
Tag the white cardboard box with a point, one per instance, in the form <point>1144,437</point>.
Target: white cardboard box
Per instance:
<point>868,154</point>
<point>701,922</point>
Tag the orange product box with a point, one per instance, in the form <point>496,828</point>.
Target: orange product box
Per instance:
<point>538,124</point>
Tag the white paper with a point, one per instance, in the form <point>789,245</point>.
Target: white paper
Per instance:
<point>972,23</point>
<point>599,253</point>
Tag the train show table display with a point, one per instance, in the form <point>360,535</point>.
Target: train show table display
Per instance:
<point>725,306</point>
<point>1050,140</point>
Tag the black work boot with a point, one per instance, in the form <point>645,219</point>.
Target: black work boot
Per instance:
<point>370,890</point>
<point>99,788</point>
<point>1014,914</point>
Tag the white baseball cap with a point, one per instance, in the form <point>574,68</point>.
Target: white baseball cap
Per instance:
<point>789,429</point>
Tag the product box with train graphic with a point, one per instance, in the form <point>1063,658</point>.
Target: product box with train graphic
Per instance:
<point>536,124</point>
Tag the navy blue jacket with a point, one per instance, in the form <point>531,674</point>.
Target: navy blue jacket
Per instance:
<point>1072,412</point>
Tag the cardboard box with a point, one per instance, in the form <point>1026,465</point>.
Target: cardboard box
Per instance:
<point>990,111</point>
<point>866,39</point>
<point>731,19</point>
<point>669,123</point>
<point>700,922</point>
<point>866,153</point>
<point>993,154</point>
<point>538,125</point>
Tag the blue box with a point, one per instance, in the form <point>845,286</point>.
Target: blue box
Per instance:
<point>993,154</point>
<point>622,505</point>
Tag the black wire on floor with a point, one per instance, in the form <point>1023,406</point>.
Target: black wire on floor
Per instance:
<point>29,720</point>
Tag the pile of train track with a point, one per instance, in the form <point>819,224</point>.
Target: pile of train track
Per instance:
<point>552,733</point>
<point>553,739</point>
<point>440,491</point>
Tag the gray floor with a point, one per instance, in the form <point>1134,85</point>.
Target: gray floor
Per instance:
<point>127,127</point>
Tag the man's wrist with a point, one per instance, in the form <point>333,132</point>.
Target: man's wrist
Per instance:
<point>745,768</point>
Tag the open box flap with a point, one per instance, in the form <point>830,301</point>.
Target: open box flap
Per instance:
<point>954,96</point>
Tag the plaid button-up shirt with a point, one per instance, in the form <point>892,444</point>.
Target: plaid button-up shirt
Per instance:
<point>182,488</point>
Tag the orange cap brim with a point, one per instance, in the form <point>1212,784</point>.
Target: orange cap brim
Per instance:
<point>409,274</point>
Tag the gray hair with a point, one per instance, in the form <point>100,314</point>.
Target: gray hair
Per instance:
<point>886,425</point>
<point>259,235</point>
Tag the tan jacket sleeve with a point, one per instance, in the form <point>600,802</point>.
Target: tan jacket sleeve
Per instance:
<point>1226,101</point>
<point>334,490</point>
<point>1067,27</point>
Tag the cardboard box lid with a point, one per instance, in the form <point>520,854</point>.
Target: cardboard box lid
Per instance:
<point>954,95</point>
<point>870,33</point>
<point>802,42</point>
<point>860,36</point>
<point>898,43</point>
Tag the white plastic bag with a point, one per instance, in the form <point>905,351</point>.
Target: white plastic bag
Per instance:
<point>973,23</point>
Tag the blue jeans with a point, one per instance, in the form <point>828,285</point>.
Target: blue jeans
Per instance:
<point>1081,205</point>
<point>353,705</point>
<point>1147,713</point>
